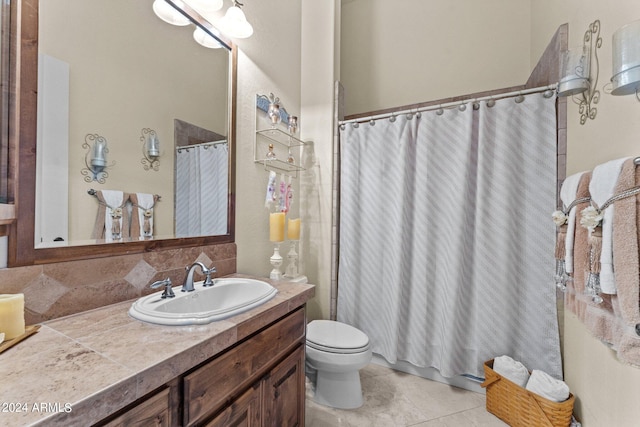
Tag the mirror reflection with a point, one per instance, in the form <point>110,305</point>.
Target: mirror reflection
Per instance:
<point>111,71</point>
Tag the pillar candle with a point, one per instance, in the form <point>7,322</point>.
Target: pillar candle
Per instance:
<point>276,227</point>
<point>12,315</point>
<point>293,229</point>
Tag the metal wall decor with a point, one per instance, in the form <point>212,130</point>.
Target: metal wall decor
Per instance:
<point>150,149</point>
<point>591,96</point>
<point>95,158</point>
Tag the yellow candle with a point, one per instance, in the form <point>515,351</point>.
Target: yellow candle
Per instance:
<point>293,229</point>
<point>12,315</point>
<point>276,227</point>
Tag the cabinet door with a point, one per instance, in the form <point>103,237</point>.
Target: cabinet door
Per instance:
<point>153,412</point>
<point>284,394</point>
<point>243,412</point>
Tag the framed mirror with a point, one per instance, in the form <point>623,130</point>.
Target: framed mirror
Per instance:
<point>112,69</point>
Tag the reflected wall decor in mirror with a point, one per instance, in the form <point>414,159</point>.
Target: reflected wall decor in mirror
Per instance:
<point>113,68</point>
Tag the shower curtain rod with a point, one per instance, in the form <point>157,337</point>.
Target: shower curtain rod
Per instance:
<point>203,144</point>
<point>451,104</point>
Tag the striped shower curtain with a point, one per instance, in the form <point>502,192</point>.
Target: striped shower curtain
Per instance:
<point>446,242</point>
<point>201,190</point>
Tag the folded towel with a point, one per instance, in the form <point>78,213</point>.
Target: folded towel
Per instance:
<point>111,221</point>
<point>602,187</point>
<point>568,195</point>
<point>142,215</point>
<point>511,369</point>
<point>548,387</point>
<point>113,214</point>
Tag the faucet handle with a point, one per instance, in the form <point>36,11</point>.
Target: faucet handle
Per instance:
<point>168,292</point>
<point>207,280</point>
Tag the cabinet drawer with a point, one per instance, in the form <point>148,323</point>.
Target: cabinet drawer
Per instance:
<point>216,383</point>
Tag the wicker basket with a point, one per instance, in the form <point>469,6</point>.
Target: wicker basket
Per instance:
<point>519,407</point>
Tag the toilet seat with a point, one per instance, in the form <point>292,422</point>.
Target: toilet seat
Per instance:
<point>336,337</point>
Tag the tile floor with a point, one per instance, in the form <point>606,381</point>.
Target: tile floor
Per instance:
<point>396,399</point>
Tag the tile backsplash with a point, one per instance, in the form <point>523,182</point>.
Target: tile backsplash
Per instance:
<point>59,289</point>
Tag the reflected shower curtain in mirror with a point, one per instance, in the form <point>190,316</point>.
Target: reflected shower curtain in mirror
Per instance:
<point>446,242</point>
<point>201,190</point>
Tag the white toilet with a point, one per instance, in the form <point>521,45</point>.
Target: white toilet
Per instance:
<point>335,354</point>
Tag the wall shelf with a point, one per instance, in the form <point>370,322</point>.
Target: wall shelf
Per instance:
<point>274,147</point>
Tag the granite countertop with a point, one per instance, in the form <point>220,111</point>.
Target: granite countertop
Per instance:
<point>81,368</point>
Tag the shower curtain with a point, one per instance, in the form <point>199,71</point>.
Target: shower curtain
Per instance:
<point>201,190</point>
<point>446,241</point>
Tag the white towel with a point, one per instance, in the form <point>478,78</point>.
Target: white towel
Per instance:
<point>114,199</point>
<point>548,387</point>
<point>602,185</point>
<point>568,195</point>
<point>511,369</point>
<point>145,203</point>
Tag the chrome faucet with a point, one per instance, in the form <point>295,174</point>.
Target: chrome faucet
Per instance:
<point>188,283</point>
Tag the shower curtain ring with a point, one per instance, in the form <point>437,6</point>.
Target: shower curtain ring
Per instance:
<point>462,106</point>
<point>440,110</point>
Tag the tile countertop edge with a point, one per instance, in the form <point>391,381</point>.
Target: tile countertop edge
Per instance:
<point>98,404</point>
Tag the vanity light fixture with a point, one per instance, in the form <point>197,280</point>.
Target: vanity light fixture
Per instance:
<point>206,7</point>
<point>201,13</point>
<point>234,22</point>
<point>150,149</point>
<point>169,14</point>
<point>626,60</point>
<point>204,39</point>
<point>95,159</point>
<point>580,70</point>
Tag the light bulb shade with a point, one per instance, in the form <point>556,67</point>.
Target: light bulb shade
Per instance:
<point>99,154</point>
<point>204,39</point>
<point>205,7</point>
<point>575,72</point>
<point>626,59</point>
<point>153,146</point>
<point>169,14</point>
<point>235,24</point>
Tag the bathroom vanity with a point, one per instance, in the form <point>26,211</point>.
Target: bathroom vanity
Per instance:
<point>105,368</point>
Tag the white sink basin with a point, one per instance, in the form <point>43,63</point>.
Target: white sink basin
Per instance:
<point>226,298</point>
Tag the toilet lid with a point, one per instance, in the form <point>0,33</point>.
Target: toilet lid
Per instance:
<point>336,337</point>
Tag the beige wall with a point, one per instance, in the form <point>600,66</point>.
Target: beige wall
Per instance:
<point>407,51</point>
<point>606,390</point>
<point>291,55</point>
<point>268,62</point>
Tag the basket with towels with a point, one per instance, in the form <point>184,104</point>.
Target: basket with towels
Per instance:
<point>526,399</point>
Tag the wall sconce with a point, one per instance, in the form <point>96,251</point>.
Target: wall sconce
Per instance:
<point>95,159</point>
<point>626,60</point>
<point>580,72</point>
<point>150,149</point>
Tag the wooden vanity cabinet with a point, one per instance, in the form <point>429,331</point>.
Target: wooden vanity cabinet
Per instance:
<point>258,382</point>
<point>271,363</point>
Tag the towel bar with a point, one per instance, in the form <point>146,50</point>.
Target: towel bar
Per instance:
<point>93,192</point>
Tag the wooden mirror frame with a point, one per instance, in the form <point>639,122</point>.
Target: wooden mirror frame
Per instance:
<point>23,87</point>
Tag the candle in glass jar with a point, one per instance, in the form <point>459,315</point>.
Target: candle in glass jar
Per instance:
<point>293,229</point>
<point>276,227</point>
<point>12,315</point>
